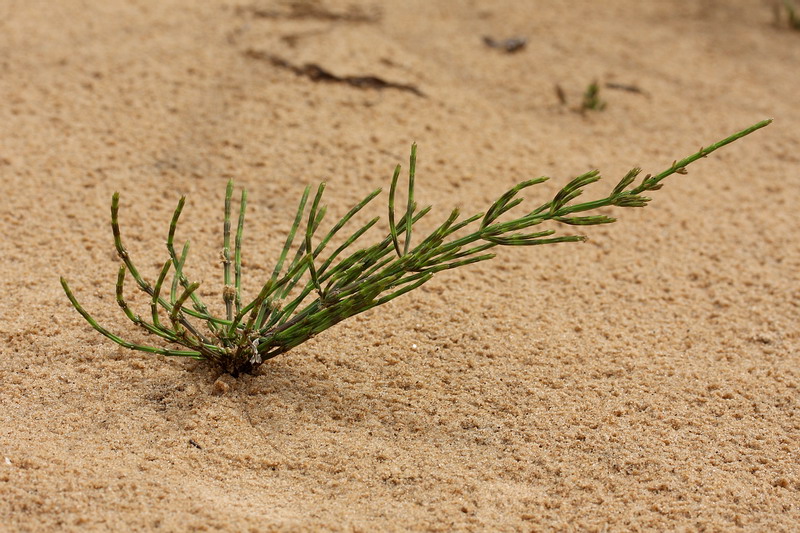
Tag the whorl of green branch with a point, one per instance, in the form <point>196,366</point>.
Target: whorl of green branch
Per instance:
<point>313,289</point>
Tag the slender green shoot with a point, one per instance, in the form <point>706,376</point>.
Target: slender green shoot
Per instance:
<point>227,289</point>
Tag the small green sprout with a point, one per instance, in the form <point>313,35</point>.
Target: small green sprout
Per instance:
<point>792,17</point>
<point>591,98</point>
<point>314,288</point>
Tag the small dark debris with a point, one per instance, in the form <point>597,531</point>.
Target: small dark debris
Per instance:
<point>292,39</point>
<point>623,87</point>
<point>510,45</point>
<point>193,443</point>
<point>560,94</point>
<point>307,10</point>
<point>315,72</point>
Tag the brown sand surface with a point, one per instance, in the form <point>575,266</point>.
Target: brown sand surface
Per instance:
<point>645,380</point>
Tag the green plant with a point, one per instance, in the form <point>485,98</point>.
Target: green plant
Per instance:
<point>591,98</point>
<point>792,18</point>
<point>286,312</point>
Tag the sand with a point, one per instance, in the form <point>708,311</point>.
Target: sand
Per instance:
<point>645,380</point>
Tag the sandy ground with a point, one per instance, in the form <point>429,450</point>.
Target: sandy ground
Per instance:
<point>646,380</point>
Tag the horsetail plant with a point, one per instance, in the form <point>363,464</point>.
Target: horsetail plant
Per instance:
<point>288,311</point>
